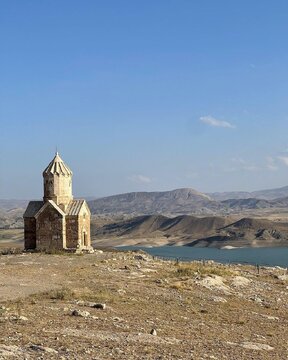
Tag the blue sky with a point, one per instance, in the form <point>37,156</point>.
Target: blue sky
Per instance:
<point>144,95</point>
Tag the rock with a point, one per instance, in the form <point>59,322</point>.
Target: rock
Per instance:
<point>219,299</point>
<point>153,332</point>
<point>80,302</point>
<point>215,282</point>
<point>257,299</point>
<point>256,346</point>
<point>268,317</point>
<point>121,291</point>
<point>116,318</point>
<point>43,349</point>
<point>141,257</point>
<point>10,351</point>
<point>280,268</point>
<point>282,277</point>
<point>99,306</point>
<point>18,318</point>
<point>240,281</point>
<point>81,313</point>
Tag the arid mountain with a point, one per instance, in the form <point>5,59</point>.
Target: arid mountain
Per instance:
<point>150,224</point>
<point>269,194</point>
<point>193,231</point>
<point>7,204</point>
<point>186,201</point>
<point>11,219</point>
<point>169,203</point>
<point>244,204</point>
<point>180,201</point>
<point>11,213</point>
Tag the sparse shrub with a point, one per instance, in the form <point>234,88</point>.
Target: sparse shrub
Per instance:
<point>196,268</point>
<point>11,251</point>
<point>100,296</point>
<point>55,252</point>
<point>61,294</point>
<point>177,285</point>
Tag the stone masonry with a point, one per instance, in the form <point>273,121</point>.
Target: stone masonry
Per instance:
<point>58,222</point>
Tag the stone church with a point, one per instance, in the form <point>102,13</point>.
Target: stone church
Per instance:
<point>58,222</point>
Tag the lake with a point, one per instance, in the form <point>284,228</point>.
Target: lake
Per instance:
<point>260,256</point>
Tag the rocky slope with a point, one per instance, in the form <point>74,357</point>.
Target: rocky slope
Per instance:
<point>128,306</point>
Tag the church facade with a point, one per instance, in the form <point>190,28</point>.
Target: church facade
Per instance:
<point>59,221</point>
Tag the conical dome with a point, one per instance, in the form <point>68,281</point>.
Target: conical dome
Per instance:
<point>57,167</point>
<point>58,182</point>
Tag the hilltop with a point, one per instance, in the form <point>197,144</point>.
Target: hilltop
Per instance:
<point>127,306</point>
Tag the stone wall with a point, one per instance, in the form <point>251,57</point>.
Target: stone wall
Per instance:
<point>50,230</point>
<point>72,231</point>
<point>84,229</point>
<point>58,188</point>
<point>29,233</point>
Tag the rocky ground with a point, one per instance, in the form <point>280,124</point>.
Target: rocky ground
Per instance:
<point>116,305</point>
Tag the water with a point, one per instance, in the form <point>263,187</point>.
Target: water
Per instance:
<point>260,256</point>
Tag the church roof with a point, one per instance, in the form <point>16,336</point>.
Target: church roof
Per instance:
<point>32,208</point>
<point>75,207</point>
<point>47,204</point>
<point>57,167</point>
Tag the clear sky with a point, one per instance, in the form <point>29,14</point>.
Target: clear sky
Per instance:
<point>144,95</point>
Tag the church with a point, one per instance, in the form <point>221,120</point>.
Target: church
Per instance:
<point>59,221</point>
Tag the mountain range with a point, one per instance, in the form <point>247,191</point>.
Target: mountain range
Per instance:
<point>170,203</point>
<point>269,194</point>
<point>189,201</point>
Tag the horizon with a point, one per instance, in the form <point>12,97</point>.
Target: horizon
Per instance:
<point>91,197</point>
<point>144,96</point>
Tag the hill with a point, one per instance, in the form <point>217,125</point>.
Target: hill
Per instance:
<point>269,194</point>
<point>173,203</point>
<point>127,305</point>
<point>192,231</point>
<point>188,201</point>
<point>179,201</point>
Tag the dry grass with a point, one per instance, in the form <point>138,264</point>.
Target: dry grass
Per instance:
<point>195,269</point>
<point>137,301</point>
<point>84,293</point>
<point>11,251</point>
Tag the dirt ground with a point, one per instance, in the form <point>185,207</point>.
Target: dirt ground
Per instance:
<point>197,311</point>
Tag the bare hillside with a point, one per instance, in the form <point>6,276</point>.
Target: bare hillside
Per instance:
<point>176,201</point>
<point>192,231</point>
